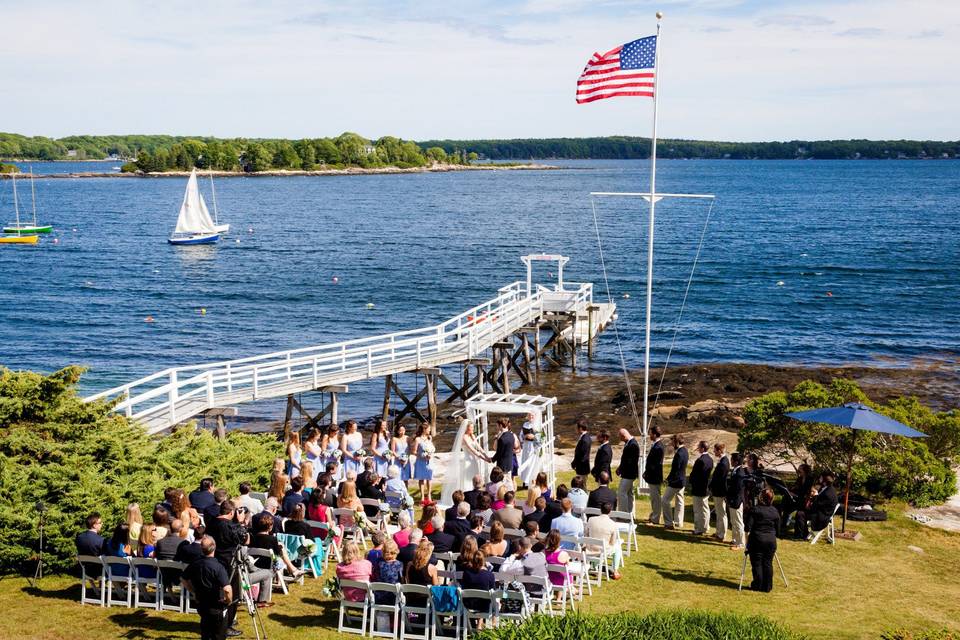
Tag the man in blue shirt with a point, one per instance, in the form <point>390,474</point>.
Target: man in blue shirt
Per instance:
<point>568,524</point>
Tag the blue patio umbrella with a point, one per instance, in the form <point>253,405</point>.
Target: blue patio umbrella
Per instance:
<point>859,417</point>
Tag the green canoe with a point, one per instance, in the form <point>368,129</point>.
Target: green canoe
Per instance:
<point>28,228</point>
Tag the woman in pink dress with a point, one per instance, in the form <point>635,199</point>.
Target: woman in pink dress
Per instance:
<point>354,567</point>
<point>555,555</point>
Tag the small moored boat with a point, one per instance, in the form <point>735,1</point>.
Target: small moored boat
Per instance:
<point>194,224</point>
<point>19,235</point>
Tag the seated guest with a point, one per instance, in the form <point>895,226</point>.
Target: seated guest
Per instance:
<point>406,553</point>
<point>373,491</point>
<point>468,548</point>
<point>364,477</point>
<point>496,481</point>
<point>389,570</point>
<point>472,495</point>
<point>325,490</point>
<point>604,528</point>
<point>420,571</point>
<point>212,511</point>
<point>272,506</point>
<point>553,508</point>
<point>568,524</point>
<point>497,545</point>
<point>458,526</point>
<point>527,562</point>
<point>134,521</point>
<point>348,500</point>
<point>307,472</point>
<point>117,546</point>
<point>396,489</point>
<point>319,512</point>
<point>279,485</point>
<point>293,497</point>
<point>169,495</point>
<point>555,555</point>
<point>202,497</point>
<point>262,538</point>
<point>295,525</point>
<point>509,516</point>
<point>161,520</point>
<point>476,529</point>
<point>530,504</point>
<point>331,493</point>
<point>483,508</point>
<point>145,549</point>
<point>451,512</point>
<point>542,485</point>
<point>188,516</point>
<point>189,552</point>
<point>603,493</point>
<point>498,502</point>
<point>354,567</point>
<point>402,536</point>
<point>796,499</point>
<point>375,555</point>
<point>90,542</point>
<point>252,505</point>
<point>539,510</point>
<point>819,508</point>
<point>578,493</point>
<point>425,522</point>
<point>476,576</point>
<point>166,547</point>
<point>442,542</point>
<point>532,531</point>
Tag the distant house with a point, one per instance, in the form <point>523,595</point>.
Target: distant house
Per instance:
<point>369,149</point>
<point>71,153</point>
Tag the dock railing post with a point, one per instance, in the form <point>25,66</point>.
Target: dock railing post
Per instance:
<point>254,382</point>
<point>210,400</point>
<point>289,356</point>
<point>229,379</point>
<point>128,411</point>
<point>172,397</point>
<point>316,373</point>
<point>369,361</point>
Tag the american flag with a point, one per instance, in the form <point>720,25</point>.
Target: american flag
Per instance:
<point>627,70</point>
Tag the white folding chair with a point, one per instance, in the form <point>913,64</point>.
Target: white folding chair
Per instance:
<point>352,611</point>
<point>378,520</point>
<point>579,512</point>
<point>449,577</point>
<point>627,527</point>
<point>589,512</point>
<point>448,557</point>
<point>331,550</point>
<point>566,591</point>
<point>91,572</point>
<point>119,581</point>
<point>513,534</point>
<point>412,617</point>
<point>538,590</point>
<point>446,625</point>
<point>598,557</point>
<point>283,539</point>
<point>578,567</point>
<point>485,609</point>
<point>278,580</point>
<point>496,562</point>
<point>391,609</point>
<point>259,495</point>
<point>506,612</point>
<point>345,518</point>
<point>829,529</point>
<point>146,574</point>
<point>170,585</point>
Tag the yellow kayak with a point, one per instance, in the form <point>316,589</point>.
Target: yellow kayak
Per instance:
<point>18,240</point>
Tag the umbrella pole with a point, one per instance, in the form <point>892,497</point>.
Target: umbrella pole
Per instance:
<point>846,491</point>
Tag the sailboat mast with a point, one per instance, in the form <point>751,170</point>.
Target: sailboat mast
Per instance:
<point>33,197</point>
<point>213,193</point>
<point>16,204</point>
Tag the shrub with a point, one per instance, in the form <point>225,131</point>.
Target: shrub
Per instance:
<point>77,458</point>
<point>884,466</point>
<point>658,625</point>
<point>935,634</point>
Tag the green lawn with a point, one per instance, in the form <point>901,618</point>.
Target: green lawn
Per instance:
<point>850,590</point>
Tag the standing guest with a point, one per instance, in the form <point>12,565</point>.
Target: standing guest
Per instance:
<point>319,512</point>
<point>252,505</point>
<point>423,450</point>
<point>279,482</point>
<point>818,511</point>
<point>604,528</point>
<point>718,489</point>
<point>312,450</point>
<point>578,492</point>
<point>296,524</point>
<point>389,570</point>
<point>763,523</point>
<point>400,448</point>
<point>262,537</point>
<point>442,542</point>
<point>293,497</point>
<point>506,449</point>
<point>212,511</point>
<point>555,554</point>
<point>483,508</point>
<point>209,583</point>
<point>451,512</point>
<point>166,547</point>
<point>354,567</point>
<point>458,526</point>
<point>629,471</point>
<point>699,488</point>
<point>330,450</point>
<point>601,462</point>
<point>471,496</point>
<point>294,455</point>
<point>202,497</point>
<point>653,474</point>
<point>581,453</point>
<point>379,446</point>
<point>567,524</point>
<point>735,500</point>
<point>402,536</point>
<point>134,520</point>
<point>496,545</point>
<point>539,510</point>
<point>676,481</point>
<point>603,493</point>
<point>350,446</point>
<point>476,576</point>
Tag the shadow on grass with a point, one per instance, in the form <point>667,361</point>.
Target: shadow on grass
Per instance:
<point>682,575</point>
<point>70,592</point>
<point>674,535</point>
<point>140,623</point>
<point>326,617</point>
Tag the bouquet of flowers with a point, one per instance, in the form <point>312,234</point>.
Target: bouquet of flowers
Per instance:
<point>337,454</point>
<point>407,502</point>
<point>331,588</point>
<point>403,460</point>
<point>307,548</point>
<point>361,521</point>
<point>361,453</point>
<point>389,455</point>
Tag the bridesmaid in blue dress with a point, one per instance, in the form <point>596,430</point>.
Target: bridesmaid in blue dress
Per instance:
<point>313,452</point>
<point>379,445</point>
<point>330,448</point>
<point>350,444</point>
<point>401,451</point>
<point>423,449</point>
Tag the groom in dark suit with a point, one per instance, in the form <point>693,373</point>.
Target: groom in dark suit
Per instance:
<point>581,455</point>
<point>506,452</point>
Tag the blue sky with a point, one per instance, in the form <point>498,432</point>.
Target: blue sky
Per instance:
<point>731,69</point>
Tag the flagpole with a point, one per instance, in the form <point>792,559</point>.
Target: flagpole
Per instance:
<point>653,205</point>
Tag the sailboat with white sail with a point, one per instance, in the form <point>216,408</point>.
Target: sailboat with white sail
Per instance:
<point>18,236</point>
<point>194,224</point>
<point>26,227</point>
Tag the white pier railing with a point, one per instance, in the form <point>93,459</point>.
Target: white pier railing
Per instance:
<point>173,395</point>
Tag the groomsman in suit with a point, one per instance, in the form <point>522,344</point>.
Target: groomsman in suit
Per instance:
<point>653,474</point>
<point>581,455</point>
<point>629,471</point>
<point>676,482</point>
<point>505,455</point>
<point>718,489</point>
<point>604,457</point>
<point>699,489</point>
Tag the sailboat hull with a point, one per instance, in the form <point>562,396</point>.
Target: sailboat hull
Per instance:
<point>222,228</point>
<point>18,240</point>
<point>200,238</point>
<point>28,228</point>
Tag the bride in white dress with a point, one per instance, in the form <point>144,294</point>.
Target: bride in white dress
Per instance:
<point>467,459</point>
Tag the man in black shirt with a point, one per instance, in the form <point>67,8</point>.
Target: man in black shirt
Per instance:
<point>228,534</point>
<point>202,497</point>
<point>553,508</point>
<point>208,581</point>
<point>212,511</point>
<point>473,495</point>
<point>603,493</point>
<point>166,547</point>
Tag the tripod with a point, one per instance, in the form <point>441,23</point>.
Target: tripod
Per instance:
<point>245,596</point>
<point>38,572</point>
<point>743,571</point>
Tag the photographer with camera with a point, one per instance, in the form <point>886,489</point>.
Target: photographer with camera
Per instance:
<point>735,491</point>
<point>209,582</point>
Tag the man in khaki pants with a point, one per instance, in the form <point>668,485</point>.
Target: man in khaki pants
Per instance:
<point>735,501</point>
<point>718,489</point>
<point>653,474</point>
<point>699,489</point>
<point>676,481</point>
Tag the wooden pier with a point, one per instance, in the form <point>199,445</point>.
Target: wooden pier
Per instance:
<point>494,346</point>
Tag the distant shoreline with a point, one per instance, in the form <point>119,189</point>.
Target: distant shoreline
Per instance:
<point>280,173</point>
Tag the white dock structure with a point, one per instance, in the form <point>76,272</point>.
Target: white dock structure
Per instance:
<point>169,397</point>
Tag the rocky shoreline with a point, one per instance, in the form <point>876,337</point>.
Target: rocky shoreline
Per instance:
<point>280,173</point>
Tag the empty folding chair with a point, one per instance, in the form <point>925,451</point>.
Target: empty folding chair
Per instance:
<point>92,572</point>
<point>146,575</point>
<point>416,611</point>
<point>354,612</point>
<point>566,591</point>
<point>829,529</point>
<point>627,526</point>
<point>578,568</point>
<point>171,589</point>
<point>446,620</point>
<point>384,609</point>
<point>477,605</point>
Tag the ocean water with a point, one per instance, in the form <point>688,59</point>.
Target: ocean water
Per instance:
<point>802,262</point>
